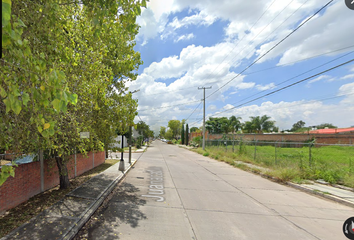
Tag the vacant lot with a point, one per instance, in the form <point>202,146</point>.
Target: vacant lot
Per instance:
<point>289,161</point>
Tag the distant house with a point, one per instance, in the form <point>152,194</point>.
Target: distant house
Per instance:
<point>333,130</point>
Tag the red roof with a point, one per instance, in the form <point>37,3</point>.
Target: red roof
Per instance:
<point>332,130</point>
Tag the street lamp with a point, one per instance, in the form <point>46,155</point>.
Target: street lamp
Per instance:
<point>121,163</point>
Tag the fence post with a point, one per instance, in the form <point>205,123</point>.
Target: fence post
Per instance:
<point>255,151</point>
<point>75,163</point>
<point>275,153</point>
<point>93,158</point>
<point>40,155</point>
<point>310,155</point>
<point>350,166</point>
<point>233,143</point>
<point>225,145</point>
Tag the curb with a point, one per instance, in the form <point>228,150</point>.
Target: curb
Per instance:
<point>92,209</point>
<point>321,194</point>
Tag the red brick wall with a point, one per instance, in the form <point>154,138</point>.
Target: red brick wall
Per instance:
<point>27,180</point>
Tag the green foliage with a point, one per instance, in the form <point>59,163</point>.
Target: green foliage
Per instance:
<point>7,171</point>
<point>162,132</point>
<point>194,129</point>
<point>325,125</point>
<point>62,71</point>
<point>175,127</point>
<point>182,135</point>
<point>297,126</point>
<point>260,124</point>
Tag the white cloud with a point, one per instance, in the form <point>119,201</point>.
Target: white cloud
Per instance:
<point>348,91</point>
<point>287,113</point>
<point>265,87</point>
<point>349,76</point>
<point>185,37</point>
<point>322,77</point>
<point>200,18</point>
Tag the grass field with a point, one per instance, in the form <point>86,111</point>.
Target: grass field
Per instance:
<point>333,164</point>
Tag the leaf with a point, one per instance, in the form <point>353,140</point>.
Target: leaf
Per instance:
<point>8,104</point>
<point>3,92</point>
<point>56,104</point>
<point>6,12</point>
<point>40,129</point>
<point>63,106</point>
<point>72,98</point>
<point>25,98</point>
<point>46,126</point>
<point>143,3</point>
<point>16,106</point>
<point>42,88</point>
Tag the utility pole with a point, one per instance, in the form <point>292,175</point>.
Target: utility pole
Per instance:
<point>204,113</point>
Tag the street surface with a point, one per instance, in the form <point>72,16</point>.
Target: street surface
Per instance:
<point>172,193</point>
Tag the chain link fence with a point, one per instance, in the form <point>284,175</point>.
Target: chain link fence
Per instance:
<point>327,161</point>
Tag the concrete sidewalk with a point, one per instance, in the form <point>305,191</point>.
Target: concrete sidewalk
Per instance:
<point>65,218</point>
<point>338,193</point>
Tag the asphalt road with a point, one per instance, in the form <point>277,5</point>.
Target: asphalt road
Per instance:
<point>172,193</point>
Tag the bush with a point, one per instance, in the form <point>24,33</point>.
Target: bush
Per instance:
<point>205,154</point>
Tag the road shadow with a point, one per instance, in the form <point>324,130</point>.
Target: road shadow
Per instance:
<point>122,208</point>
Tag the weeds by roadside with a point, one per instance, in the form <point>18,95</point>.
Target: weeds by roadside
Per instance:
<point>289,164</point>
<point>17,216</point>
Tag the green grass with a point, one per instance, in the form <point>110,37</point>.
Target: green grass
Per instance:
<point>334,164</point>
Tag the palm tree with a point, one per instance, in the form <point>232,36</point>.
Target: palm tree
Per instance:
<point>235,124</point>
<point>261,124</point>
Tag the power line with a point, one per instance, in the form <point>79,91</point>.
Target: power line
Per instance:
<point>244,37</point>
<point>302,24</point>
<point>266,27</point>
<point>298,75</point>
<point>194,111</point>
<point>262,70</point>
<point>290,85</point>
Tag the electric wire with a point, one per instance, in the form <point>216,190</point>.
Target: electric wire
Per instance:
<point>258,71</point>
<point>277,44</point>
<point>297,76</point>
<point>288,86</point>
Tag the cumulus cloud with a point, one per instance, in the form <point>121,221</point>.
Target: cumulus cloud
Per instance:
<point>349,76</point>
<point>287,113</point>
<point>185,37</point>
<point>322,77</point>
<point>174,80</point>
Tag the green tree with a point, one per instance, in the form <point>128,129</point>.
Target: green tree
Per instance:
<point>217,125</point>
<point>325,125</point>
<point>187,134</point>
<point>162,132</point>
<point>175,126</point>
<point>297,126</point>
<point>194,129</point>
<point>169,134</point>
<point>235,124</point>
<point>259,124</point>
<point>62,72</point>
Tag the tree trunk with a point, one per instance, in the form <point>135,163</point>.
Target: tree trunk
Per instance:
<point>63,173</point>
<point>106,151</point>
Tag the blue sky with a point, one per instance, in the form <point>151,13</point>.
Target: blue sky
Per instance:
<point>195,43</point>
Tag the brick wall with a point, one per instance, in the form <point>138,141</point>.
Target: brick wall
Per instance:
<point>320,138</point>
<point>27,180</point>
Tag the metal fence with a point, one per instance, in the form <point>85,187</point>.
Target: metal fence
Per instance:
<point>288,154</point>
